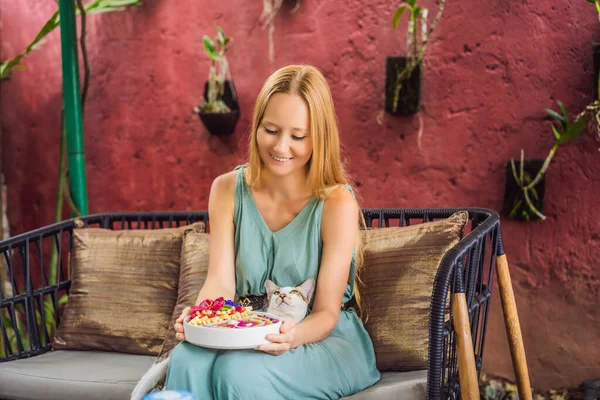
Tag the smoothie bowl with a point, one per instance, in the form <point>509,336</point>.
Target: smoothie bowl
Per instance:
<point>222,324</point>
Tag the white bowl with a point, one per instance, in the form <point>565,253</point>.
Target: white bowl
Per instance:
<point>223,338</point>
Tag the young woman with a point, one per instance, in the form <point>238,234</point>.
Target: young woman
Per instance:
<point>287,215</point>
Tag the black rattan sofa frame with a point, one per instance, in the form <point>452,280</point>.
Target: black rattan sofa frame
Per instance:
<point>468,267</point>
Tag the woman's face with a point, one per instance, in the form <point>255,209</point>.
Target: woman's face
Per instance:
<point>283,136</point>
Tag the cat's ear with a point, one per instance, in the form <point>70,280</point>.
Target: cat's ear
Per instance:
<point>307,289</point>
<point>270,288</point>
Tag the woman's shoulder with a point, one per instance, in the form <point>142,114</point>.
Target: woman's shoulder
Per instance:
<point>340,214</point>
<point>339,199</point>
<point>340,192</point>
<point>223,186</point>
<point>222,195</point>
<point>226,180</point>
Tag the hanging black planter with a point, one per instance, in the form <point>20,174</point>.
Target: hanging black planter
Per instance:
<point>515,206</point>
<point>596,57</point>
<point>221,124</point>
<point>409,98</point>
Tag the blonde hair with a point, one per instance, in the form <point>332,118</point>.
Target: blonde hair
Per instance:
<point>325,169</point>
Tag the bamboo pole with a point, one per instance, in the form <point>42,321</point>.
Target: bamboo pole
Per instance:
<point>513,328</point>
<point>467,371</point>
<point>72,102</point>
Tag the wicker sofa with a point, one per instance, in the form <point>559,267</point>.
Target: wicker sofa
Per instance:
<point>30,369</point>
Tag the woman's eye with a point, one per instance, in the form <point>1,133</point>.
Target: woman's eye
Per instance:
<point>298,137</point>
<point>270,132</point>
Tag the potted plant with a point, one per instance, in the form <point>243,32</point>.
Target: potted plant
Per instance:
<point>220,110</point>
<point>267,19</point>
<point>525,183</point>
<point>403,74</point>
<point>515,205</point>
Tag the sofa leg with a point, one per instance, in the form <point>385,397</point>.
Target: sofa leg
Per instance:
<point>513,328</point>
<point>467,372</point>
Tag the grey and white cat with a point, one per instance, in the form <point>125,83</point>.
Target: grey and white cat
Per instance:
<point>285,302</point>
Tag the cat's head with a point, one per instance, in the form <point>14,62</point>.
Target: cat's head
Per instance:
<point>290,301</point>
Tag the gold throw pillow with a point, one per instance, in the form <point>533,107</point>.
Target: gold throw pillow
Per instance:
<point>123,289</point>
<point>192,274</point>
<point>400,264</point>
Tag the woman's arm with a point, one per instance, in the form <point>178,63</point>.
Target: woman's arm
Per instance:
<point>220,279</point>
<point>339,230</point>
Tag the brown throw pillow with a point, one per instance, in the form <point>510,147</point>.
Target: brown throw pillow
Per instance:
<point>192,274</point>
<point>400,265</point>
<point>123,289</point>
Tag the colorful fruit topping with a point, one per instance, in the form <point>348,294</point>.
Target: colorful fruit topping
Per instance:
<point>221,313</point>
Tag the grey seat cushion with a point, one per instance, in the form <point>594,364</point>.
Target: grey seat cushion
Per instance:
<point>396,385</point>
<point>91,375</point>
<point>69,374</point>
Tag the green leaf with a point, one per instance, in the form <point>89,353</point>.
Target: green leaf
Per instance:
<point>399,11</point>
<point>556,132</point>
<point>411,3</point>
<point>95,6</point>
<point>14,330</point>
<point>490,392</point>
<point>209,47</point>
<point>573,131</point>
<point>418,11</point>
<point>221,36</point>
<point>555,115</point>
<point>48,27</point>
<point>591,1</point>
<point>6,321</point>
<point>564,110</point>
<point>63,300</point>
<point>7,67</point>
<point>104,6</point>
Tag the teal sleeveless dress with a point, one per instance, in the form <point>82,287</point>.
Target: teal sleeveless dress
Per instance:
<point>340,365</point>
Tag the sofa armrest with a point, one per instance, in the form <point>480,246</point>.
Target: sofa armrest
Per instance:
<point>469,267</point>
<point>466,268</point>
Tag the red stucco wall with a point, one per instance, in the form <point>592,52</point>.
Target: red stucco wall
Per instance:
<point>490,72</point>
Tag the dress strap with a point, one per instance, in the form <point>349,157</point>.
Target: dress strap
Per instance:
<point>240,191</point>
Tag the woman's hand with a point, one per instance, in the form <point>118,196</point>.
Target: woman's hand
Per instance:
<point>180,335</point>
<point>282,342</point>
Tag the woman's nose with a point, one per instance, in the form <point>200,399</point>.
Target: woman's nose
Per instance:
<point>281,146</point>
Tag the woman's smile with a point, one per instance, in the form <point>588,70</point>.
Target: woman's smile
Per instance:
<point>280,160</point>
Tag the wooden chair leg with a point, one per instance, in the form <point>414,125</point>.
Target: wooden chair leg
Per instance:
<point>513,328</point>
<point>467,371</point>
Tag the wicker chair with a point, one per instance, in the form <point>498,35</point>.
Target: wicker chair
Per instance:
<point>467,268</point>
